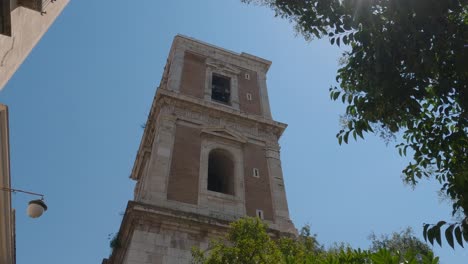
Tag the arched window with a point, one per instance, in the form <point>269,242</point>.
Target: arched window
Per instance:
<point>220,172</point>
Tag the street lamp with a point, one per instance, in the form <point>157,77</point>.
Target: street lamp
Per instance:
<point>35,207</point>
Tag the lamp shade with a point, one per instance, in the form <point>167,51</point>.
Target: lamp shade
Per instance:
<point>36,208</point>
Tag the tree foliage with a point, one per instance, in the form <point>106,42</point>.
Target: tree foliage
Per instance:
<point>405,69</point>
<point>404,242</point>
<point>249,243</point>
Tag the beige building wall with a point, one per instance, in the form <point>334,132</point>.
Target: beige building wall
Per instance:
<point>27,28</point>
<point>7,221</point>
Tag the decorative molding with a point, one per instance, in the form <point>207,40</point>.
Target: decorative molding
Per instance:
<point>222,67</point>
<point>240,60</point>
<point>225,133</point>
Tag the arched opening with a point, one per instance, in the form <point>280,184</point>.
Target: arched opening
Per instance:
<point>220,172</point>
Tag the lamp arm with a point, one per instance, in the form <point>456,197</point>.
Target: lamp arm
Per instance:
<point>21,191</point>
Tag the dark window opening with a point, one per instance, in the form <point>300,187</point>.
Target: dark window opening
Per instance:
<point>220,88</point>
<point>260,214</point>
<point>220,172</point>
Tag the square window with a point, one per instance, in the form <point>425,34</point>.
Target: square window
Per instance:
<point>221,88</point>
<point>249,96</point>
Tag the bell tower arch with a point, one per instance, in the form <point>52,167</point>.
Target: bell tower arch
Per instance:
<point>209,155</point>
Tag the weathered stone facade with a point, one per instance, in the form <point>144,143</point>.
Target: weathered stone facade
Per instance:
<point>174,207</point>
<point>22,24</point>
<point>7,214</point>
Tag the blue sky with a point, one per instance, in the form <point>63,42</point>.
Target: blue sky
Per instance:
<point>79,100</point>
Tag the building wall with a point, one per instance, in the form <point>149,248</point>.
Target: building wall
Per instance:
<point>193,75</point>
<point>190,62</point>
<point>185,165</point>
<point>165,244</point>
<point>249,86</point>
<point>7,223</point>
<point>156,235</point>
<point>172,169</point>
<point>257,190</point>
<point>27,26</point>
<point>196,81</point>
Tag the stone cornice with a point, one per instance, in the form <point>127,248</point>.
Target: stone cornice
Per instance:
<point>140,213</point>
<point>170,97</point>
<point>150,215</point>
<point>243,60</point>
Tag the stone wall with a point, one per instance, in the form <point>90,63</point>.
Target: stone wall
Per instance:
<point>192,61</point>
<point>193,75</point>
<point>154,235</point>
<point>173,169</point>
<point>257,189</point>
<point>185,165</point>
<point>249,93</point>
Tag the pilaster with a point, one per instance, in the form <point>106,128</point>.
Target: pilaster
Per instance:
<point>278,191</point>
<point>261,78</point>
<point>175,72</point>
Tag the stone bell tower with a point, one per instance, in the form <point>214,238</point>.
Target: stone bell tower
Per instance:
<point>209,155</point>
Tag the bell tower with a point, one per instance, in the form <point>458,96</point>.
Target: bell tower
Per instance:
<point>209,155</point>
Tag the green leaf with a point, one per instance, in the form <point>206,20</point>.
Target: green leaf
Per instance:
<point>465,234</point>
<point>426,226</point>
<point>430,235</point>
<point>437,235</point>
<point>458,236</point>
<point>338,41</point>
<point>332,41</point>
<point>440,224</point>
<point>449,235</point>
<point>345,138</point>
<point>336,95</point>
<point>359,132</point>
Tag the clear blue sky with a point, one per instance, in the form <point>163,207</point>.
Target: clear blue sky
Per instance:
<point>79,100</point>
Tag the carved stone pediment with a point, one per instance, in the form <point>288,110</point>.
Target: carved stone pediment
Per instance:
<point>224,132</point>
<point>222,67</point>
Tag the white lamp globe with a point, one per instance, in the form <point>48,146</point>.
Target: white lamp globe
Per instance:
<point>36,208</point>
